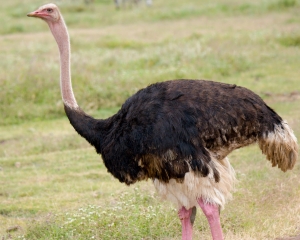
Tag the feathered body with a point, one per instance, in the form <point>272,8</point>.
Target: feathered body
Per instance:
<point>174,127</point>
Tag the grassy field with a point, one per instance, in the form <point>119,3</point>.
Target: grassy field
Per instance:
<point>52,183</point>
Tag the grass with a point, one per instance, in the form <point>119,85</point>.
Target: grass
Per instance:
<point>52,183</point>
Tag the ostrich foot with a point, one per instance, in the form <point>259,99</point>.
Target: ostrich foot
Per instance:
<point>211,212</point>
<point>187,218</point>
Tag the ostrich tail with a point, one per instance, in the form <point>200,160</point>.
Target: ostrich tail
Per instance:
<point>280,146</point>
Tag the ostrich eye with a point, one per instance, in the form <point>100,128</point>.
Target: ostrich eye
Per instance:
<point>49,10</point>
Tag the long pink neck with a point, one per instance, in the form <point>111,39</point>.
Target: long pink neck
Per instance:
<point>60,33</point>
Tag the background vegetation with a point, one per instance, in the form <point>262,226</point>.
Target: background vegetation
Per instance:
<point>52,183</point>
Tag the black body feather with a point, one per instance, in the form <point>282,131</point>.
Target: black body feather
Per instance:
<point>170,128</point>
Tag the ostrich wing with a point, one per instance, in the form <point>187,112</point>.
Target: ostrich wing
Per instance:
<point>170,128</point>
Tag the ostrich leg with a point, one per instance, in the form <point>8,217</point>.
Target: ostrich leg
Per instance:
<point>187,218</point>
<point>211,212</point>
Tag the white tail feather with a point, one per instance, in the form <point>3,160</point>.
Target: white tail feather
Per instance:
<point>280,147</point>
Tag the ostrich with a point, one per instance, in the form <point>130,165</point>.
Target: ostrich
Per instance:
<point>178,133</point>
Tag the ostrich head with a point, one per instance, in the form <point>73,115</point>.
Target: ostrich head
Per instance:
<point>49,13</point>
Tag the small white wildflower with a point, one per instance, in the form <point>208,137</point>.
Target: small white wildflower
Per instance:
<point>111,225</point>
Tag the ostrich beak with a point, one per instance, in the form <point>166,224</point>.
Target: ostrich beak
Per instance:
<point>34,14</point>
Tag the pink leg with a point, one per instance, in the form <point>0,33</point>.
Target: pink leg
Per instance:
<point>187,227</point>
<point>211,212</point>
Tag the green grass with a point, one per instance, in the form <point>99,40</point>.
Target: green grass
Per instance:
<point>52,183</point>
<point>292,40</point>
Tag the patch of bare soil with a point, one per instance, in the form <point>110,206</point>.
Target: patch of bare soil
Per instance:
<point>283,97</point>
<point>289,238</point>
